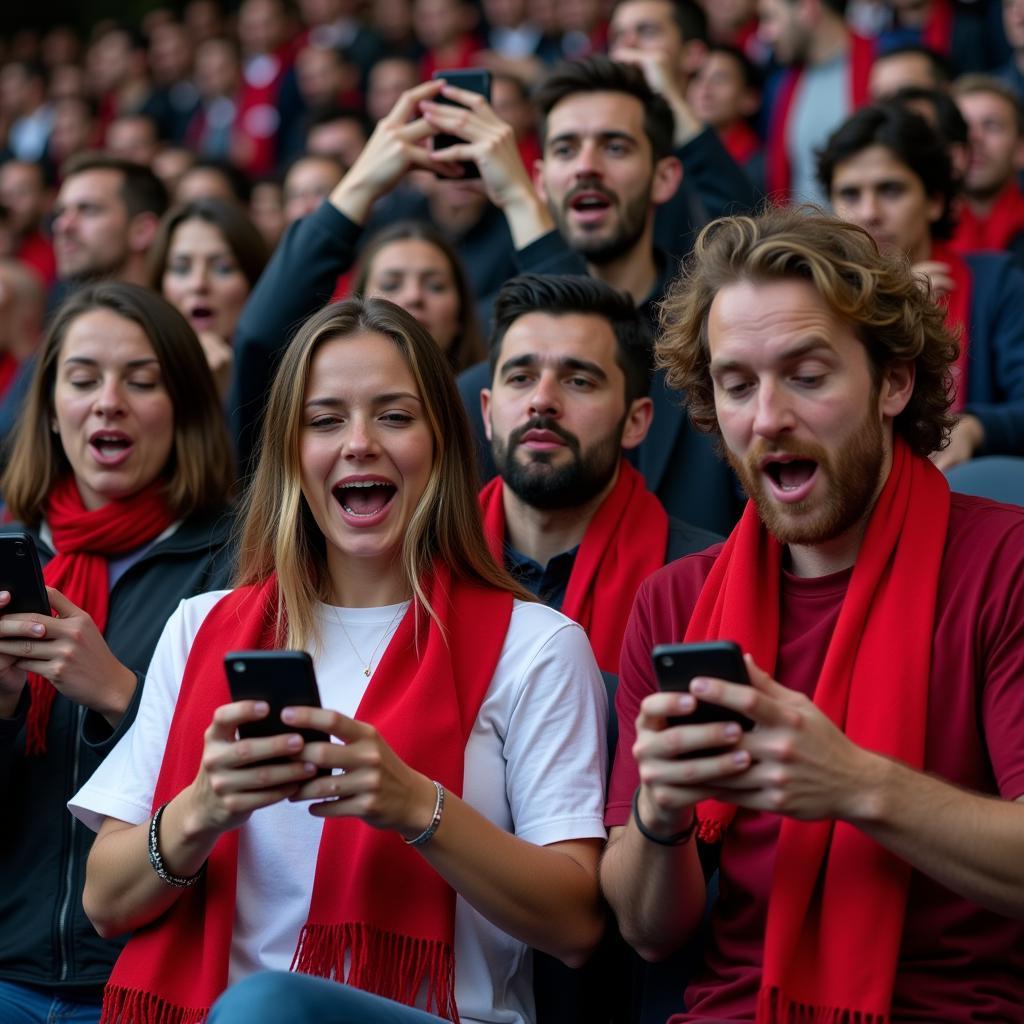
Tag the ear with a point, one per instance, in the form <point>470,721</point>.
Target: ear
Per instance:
<point>895,389</point>
<point>141,232</point>
<point>638,422</point>
<point>538,180</point>
<point>692,56</point>
<point>1018,154</point>
<point>936,204</point>
<point>668,175</point>
<point>485,410</point>
<point>750,103</point>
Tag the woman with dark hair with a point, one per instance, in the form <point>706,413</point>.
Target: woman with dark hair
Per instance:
<point>464,825</point>
<point>206,258</point>
<point>416,267</point>
<point>120,473</point>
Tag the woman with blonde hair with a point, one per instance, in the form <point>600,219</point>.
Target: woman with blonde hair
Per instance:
<point>120,475</point>
<point>459,819</point>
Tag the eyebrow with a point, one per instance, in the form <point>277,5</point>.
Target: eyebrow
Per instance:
<point>809,347</point>
<point>562,362</point>
<point>130,365</point>
<point>607,136</point>
<point>338,403</point>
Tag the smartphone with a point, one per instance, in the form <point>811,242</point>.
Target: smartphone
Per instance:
<point>281,678</point>
<point>677,665</point>
<point>22,576</point>
<point>472,80</point>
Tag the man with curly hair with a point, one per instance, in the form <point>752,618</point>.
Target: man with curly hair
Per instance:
<point>869,825</point>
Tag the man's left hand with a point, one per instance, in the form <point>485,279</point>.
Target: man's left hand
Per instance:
<point>802,764</point>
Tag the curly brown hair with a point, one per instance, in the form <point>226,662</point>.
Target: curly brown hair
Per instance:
<point>892,314</point>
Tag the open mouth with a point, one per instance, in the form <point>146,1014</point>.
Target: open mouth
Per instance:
<point>364,498</point>
<point>201,315</point>
<point>790,478</point>
<point>110,447</point>
<point>590,204</point>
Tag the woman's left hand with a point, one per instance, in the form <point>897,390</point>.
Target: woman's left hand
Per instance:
<point>375,785</point>
<point>71,653</point>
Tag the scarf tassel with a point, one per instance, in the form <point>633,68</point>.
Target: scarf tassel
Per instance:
<point>38,720</point>
<point>384,963</point>
<point>138,1007</point>
<point>774,1007</point>
<point>710,830</point>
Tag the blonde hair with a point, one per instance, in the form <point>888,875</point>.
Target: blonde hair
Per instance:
<point>279,534</point>
<point>893,316</point>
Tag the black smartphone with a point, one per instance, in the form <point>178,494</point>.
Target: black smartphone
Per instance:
<point>472,80</point>
<point>22,575</point>
<point>677,665</point>
<point>281,678</point>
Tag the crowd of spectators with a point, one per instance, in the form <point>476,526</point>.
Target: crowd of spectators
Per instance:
<point>181,195</point>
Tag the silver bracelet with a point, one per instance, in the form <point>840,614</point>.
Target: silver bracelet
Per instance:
<point>428,833</point>
<point>178,881</point>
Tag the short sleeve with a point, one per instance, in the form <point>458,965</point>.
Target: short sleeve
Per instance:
<point>555,746</point>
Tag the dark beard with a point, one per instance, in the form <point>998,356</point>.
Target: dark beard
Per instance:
<point>853,475</point>
<point>603,250</point>
<point>542,486</point>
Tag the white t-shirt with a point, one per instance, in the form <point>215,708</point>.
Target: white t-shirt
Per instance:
<point>535,765</point>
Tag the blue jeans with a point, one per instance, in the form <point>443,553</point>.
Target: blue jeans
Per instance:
<point>25,1004</point>
<point>277,997</point>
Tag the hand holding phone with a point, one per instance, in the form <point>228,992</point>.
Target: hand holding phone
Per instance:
<point>282,679</point>
<point>472,80</point>
<point>677,665</point>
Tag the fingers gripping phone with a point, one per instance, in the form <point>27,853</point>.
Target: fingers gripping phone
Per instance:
<point>282,679</point>
<point>472,80</point>
<point>22,576</point>
<point>677,665</point>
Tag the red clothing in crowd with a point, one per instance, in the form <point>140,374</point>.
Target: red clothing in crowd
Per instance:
<point>1003,224</point>
<point>36,252</point>
<point>958,962</point>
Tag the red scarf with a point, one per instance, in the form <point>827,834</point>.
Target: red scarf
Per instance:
<point>625,542</point>
<point>84,540</point>
<point>740,141</point>
<point>777,169</point>
<point>937,33</point>
<point>835,914</point>
<point>8,371</point>
<point>958,315</point>
<point>997,229</point>
<point>387,910</point>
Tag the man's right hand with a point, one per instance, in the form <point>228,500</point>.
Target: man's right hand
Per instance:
<point>395,147</point>
<point>671,784</point>
<point>12,679</point>
<point>491,145</point>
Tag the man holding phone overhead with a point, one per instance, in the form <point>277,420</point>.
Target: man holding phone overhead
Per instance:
<point>872,838</point>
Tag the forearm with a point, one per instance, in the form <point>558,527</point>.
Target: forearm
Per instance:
<point>656,892</point>
<point>971,844</point>
<point>528,219</point>
<point>122,891</point>
<point>539,895</point>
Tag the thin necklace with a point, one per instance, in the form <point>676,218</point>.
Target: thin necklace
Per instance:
<point>367,663</point>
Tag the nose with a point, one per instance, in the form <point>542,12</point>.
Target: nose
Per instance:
<point>360,442</point>
<point>867,209</point>
<point>411,294</point>
<point>773,414</point>
<point>110,397</point>
<point>588,160</point>
<point>63,221</point>
<point>544,400</point>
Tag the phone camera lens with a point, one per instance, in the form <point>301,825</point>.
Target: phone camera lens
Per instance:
<point>239,666</point>
<point>667,661</point>
<point>19,549</point>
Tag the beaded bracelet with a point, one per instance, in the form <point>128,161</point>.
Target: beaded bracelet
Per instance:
<point>178,881</point>
<point>674,840</point>
<point>428,833</point>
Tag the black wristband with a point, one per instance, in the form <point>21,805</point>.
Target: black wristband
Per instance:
<point>674,840</point>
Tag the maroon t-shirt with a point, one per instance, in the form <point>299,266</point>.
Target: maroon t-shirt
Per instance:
<point>958,962</point>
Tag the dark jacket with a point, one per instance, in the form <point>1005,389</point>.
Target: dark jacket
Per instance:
<point>995,353</point>
<point>46,939</point>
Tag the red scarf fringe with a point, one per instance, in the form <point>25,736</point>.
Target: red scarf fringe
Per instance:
<point>774,1007</point>
<point>133,1006</point>
<point>381,962</point>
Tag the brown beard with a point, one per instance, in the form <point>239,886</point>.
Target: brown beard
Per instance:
<point>852,475</point>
